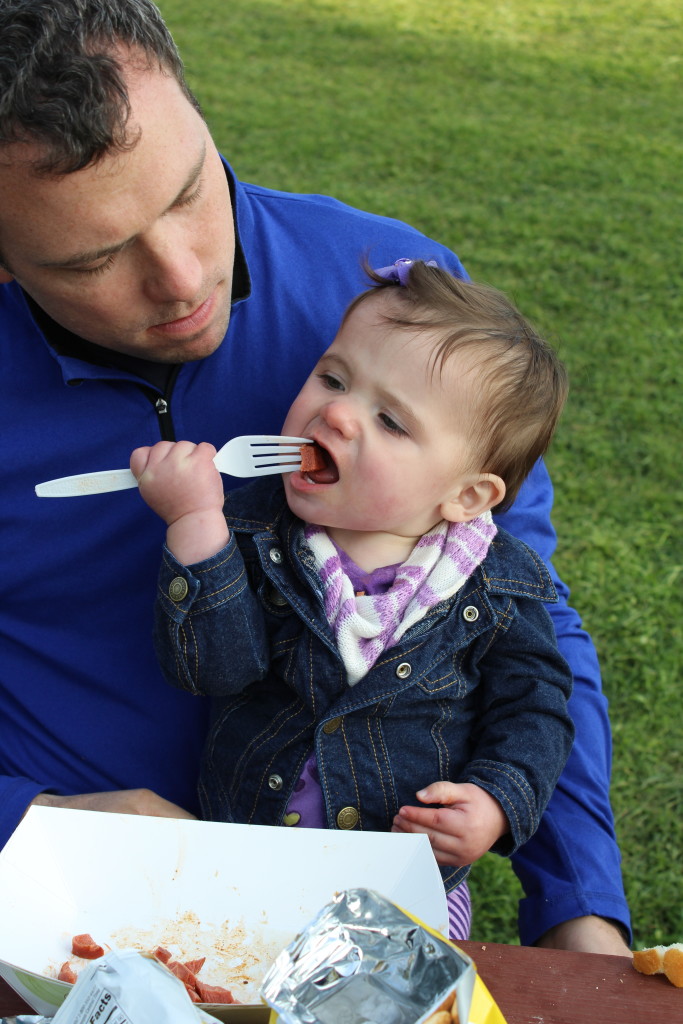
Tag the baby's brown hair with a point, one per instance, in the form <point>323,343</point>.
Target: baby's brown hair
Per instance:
<point>524,383</point>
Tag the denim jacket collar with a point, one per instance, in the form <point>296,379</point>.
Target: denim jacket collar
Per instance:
<point>522,575</point>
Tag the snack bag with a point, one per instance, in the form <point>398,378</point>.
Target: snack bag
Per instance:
<point>128,988</point>
<point>362,959</point>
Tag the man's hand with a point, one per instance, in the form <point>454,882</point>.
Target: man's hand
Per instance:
<point>463,829</point>
<point>124,801</point>
<point>588,934</point>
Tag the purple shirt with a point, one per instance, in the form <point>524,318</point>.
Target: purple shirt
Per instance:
<point>306,809</point>
<point>307,799</point>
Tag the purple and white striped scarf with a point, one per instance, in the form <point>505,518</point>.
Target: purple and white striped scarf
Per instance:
<point>437,567</point>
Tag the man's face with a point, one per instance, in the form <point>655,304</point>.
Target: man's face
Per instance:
<point>136,252</point>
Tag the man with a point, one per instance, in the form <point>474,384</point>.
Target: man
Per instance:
<point>146,293</point>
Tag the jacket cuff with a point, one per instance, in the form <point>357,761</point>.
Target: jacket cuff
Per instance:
<point>511,789</point>
<point>182,589</point>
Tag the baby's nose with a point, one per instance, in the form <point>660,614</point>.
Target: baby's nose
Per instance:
<point>341,415</point>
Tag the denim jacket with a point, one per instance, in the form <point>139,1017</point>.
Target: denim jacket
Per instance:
<point>474,692</point>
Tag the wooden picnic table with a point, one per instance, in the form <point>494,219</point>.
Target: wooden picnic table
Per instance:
<point>546,986</point>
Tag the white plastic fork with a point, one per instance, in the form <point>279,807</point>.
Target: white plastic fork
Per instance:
<point>249,455</point>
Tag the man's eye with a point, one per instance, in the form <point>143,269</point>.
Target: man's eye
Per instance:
<point>192,197</point>
<point>331,382</point>
<point>99,269</point>
<point>391,425</point>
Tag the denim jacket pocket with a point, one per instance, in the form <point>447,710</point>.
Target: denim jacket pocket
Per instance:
<point>470,617</point>
<point>444,676</point>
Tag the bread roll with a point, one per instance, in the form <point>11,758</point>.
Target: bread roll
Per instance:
<point>666,960</point>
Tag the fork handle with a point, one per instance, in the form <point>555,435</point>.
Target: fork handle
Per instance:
<point>87,483</point>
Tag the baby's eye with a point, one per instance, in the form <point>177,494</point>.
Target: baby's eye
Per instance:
<point>331,382</point>
<point>391,425</point>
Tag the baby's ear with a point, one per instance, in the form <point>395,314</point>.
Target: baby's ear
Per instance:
<point>477,496</point>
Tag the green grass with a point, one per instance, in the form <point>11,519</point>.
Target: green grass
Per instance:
<point>542,142</point>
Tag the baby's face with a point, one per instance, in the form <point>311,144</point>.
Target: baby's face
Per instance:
<point>397,436</point>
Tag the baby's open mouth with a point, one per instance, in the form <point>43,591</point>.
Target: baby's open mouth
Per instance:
<point>317,465</point>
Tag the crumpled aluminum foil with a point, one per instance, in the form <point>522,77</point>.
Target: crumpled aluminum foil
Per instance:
<point>25,1018</point>
<point>363,960</point>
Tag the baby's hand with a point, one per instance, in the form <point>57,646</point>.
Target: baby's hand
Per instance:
<point>178,478</point>
<point>467,824</point>
<point>181,483</point>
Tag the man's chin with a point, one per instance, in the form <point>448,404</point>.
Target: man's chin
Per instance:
<point>193,351</point>
<point>176,350</point>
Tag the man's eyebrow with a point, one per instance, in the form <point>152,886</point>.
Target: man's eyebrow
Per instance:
<point>81,258</point>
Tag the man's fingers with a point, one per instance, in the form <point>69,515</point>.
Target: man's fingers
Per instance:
<point>125,801</point>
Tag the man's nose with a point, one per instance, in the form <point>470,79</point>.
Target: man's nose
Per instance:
<point>173,272</point>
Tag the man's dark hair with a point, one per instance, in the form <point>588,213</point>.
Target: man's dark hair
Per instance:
<point>61,80</point>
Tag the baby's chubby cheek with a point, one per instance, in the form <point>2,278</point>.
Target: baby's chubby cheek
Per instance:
<point>377,506</point>
<point>294,421</point>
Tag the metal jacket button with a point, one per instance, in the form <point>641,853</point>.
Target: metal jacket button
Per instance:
<point>177,589</point>
<point>470,614</point>
<point>275,782</point>
<point>332,726</point>
<point>347,817</point>
<point>276,598</point>
<point>404,670</point>
<point>275,556</point>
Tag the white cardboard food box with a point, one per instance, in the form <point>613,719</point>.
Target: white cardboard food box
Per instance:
<point>236,894</point>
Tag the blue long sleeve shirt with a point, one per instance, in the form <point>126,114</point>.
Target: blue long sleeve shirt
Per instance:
<point>83,705</point>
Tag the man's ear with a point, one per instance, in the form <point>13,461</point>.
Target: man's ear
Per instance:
<point>476,496</point>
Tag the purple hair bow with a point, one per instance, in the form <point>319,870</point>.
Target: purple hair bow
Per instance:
<point>400,270</point>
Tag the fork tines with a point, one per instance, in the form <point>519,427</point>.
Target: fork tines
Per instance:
<point>266,456</point>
